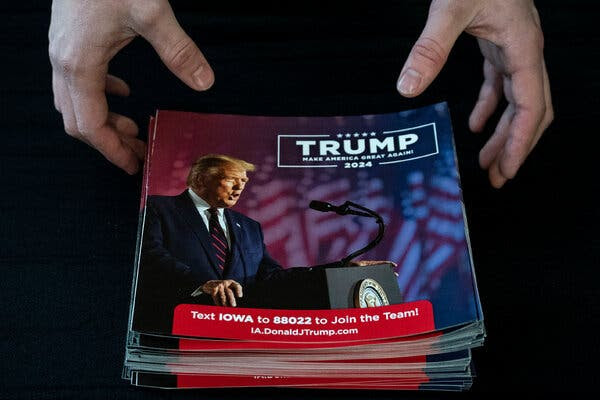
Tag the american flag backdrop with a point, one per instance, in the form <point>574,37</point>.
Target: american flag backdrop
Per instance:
<point>424,239</point>
<point>420,200</point>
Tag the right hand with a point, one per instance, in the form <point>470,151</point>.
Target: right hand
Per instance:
<point>84,36</point>
<point>223,292</point>
<point>511,40</point>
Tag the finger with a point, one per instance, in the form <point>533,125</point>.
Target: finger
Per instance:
<point>214,293</point>
<point>428,55</point>
<point>549,114</point>
<point>489,97</point>
<point>87,89</point>
<point>497,180</point>
<point>137,146</point>
<point>490,151</point>
<point>175,48</point>
<point>221,295</point>
<point>230,297</point>
<point>116,86</point>
<point>63,104</point>
<point>108,142</point>
<point>57,91</point>
<point>123,124</point>
<point>496,177</point>
<point>527,89</point>
<point>238,289</point>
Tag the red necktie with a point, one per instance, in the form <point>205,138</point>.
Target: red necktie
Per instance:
<point>218,239</point>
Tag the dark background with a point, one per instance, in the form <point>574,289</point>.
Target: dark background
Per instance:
<point>69,219</point>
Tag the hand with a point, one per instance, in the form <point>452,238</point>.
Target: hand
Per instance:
<point>84,36</point>
<point>223,292</point>
<point>366,263</point>
<point>511,41</point>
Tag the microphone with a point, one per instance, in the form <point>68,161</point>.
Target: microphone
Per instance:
<point>326,207</point>
<point>344,209</point>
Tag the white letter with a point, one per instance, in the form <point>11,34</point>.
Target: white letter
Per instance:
<point>348,148</point>
<point>405,140</point>
<point>305,146</point>
<point>330,146</point>
<point>375,144</point>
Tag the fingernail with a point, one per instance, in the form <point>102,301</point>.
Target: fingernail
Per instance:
<point>197,75</point>
<point>409,82</point>
<point>203,77</point>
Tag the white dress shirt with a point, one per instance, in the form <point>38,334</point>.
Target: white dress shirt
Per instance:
<point>202,206</point>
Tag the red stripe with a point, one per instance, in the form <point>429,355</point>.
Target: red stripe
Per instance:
<point>220,241</point>
<point>218,248</point>
<point>220,234</point>
<point>220,258</point>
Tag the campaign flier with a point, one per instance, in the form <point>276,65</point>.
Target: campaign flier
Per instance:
<point>280,250</point>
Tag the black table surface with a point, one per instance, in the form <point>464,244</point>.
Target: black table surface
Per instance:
<point>69,219</point>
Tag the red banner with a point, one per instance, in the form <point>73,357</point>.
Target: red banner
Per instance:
<point>308,326</point>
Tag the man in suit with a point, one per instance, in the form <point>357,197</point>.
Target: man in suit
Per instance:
<point>195,248</point>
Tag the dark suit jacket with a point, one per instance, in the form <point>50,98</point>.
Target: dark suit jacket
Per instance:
<point>177,257</point>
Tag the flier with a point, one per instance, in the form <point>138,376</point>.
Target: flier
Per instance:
<point>302,229</point>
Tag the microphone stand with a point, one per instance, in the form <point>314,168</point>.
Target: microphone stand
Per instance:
<point>365,213</point>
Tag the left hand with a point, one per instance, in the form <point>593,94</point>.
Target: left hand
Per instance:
<point>223,292</point>
<point>366,263</point>
<point>511,41</point>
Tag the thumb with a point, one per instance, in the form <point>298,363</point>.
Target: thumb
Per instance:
<point>176,49</point>
<point>430,52</point>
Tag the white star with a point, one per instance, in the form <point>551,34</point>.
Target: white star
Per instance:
<point>372,133</point>
<point>356,135</point>
<point>348,135</point>
<point>340,135</point>
<point>365,134</point>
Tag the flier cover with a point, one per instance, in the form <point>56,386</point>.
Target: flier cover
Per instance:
<point>337,228</point>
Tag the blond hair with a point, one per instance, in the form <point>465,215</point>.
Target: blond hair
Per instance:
<point>211,165</point>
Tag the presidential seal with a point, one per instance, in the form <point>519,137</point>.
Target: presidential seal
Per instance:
<point>369,293</point>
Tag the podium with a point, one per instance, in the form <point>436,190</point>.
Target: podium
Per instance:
<point>321,288</point>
